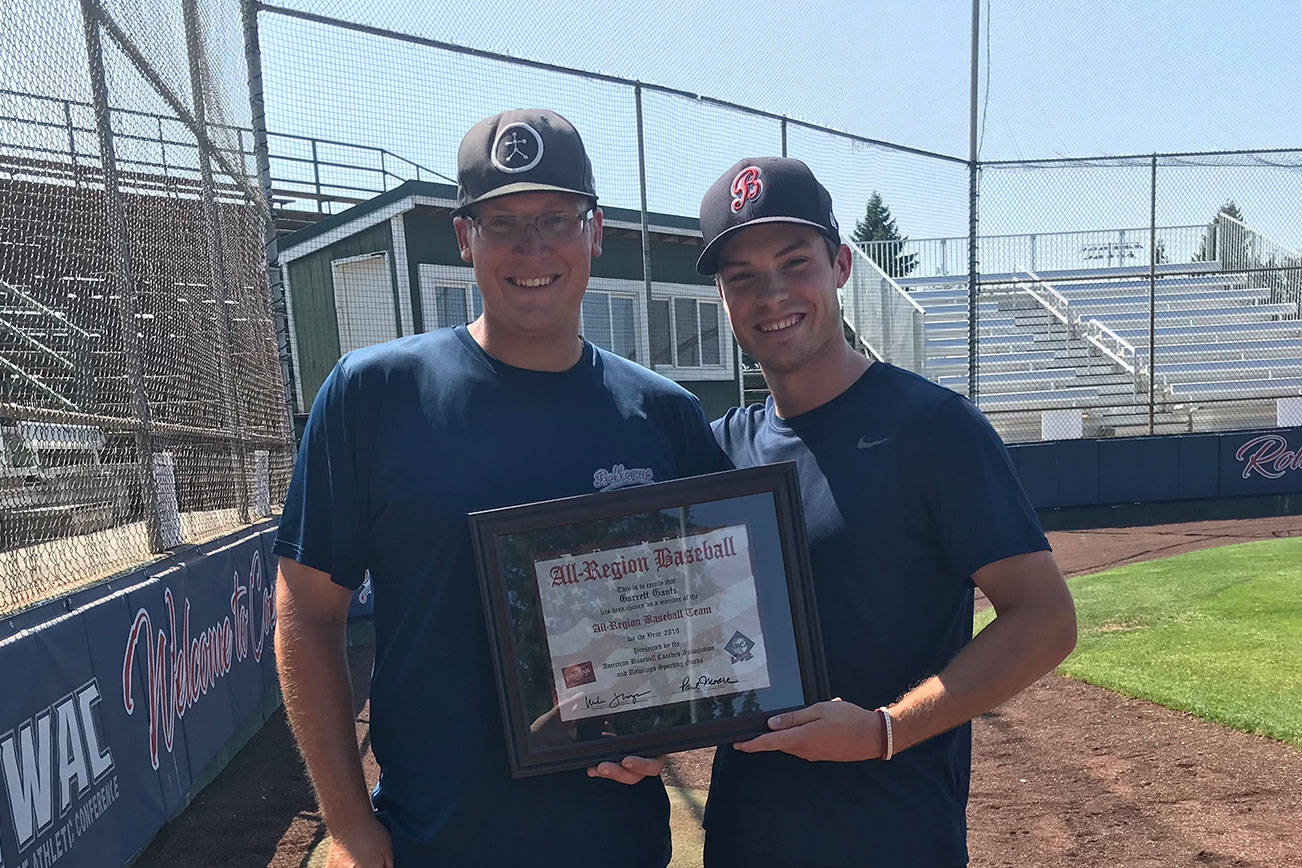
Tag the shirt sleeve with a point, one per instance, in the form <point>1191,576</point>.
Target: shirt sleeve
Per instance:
<point>324,520</point>
<point>982,513</point>
<point>703,452</point>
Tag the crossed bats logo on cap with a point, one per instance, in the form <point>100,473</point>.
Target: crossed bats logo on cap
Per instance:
<point>745,186</point>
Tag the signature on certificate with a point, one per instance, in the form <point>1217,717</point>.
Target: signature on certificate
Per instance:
<point>616,700</point>
<point>705,681</point>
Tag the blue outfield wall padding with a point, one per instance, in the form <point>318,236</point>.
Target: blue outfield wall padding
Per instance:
<point>1120,472</point>
<point>1037,465</point>
<point>1197,475</point>
<point>1078,478</point>
<point>150,642</point>
<point>151,793</point>
<point>112,710</point>
<point>1263,462</point>
<point>1159,469</point>
<point>64,784</point>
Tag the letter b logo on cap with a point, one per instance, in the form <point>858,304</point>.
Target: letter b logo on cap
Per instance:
<point>745,186</point>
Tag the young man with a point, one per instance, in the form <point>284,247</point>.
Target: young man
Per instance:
<point>406,438</point>
<point>910,501</point>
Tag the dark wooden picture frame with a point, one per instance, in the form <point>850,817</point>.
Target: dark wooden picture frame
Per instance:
<point>765,499</point>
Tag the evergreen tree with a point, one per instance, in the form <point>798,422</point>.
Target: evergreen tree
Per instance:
<point>1229,209</point>
<point>879,226</point>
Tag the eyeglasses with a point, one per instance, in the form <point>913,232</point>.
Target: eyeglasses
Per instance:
<point>552,226</point>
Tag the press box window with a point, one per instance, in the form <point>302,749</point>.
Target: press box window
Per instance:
<point>610,321</point>
<point>685,333</point>
<point>453,305</point>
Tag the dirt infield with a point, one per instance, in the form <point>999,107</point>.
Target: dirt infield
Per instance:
<point>1065,774</point>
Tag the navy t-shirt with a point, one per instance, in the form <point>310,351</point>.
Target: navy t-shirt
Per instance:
<point>406,438</point>
<point>907,491</point>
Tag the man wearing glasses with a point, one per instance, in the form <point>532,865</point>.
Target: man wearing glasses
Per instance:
<point>406,438</point>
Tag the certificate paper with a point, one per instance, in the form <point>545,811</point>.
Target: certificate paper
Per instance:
<point>653,623</point>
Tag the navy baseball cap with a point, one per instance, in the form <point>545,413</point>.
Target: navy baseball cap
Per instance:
<point>763,190</point>
<point>520,151</point>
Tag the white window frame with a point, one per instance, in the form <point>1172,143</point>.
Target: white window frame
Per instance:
<point>434,275</point>
<point>632,290</point>
<point>725,370</point>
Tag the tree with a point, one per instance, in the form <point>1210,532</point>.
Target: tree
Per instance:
<point>878,226</point>
<point>1207,251</point>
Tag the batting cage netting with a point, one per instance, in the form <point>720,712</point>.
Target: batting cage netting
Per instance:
<point>141,397</point>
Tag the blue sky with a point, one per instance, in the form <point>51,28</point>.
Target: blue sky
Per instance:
<point>1103,78</point>
<point>1077,79</point>
<point>1084,79</point>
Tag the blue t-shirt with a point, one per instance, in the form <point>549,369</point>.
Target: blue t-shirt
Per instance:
<point>907,491</point>
<point>406,438</point>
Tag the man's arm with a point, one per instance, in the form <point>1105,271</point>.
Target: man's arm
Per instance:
<point>1033,630</point>
<point>311,658</point>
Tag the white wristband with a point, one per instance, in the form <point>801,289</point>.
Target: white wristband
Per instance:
<point>888,749</point>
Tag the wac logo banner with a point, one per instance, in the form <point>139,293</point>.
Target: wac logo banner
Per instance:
<point>110,711</point>
<point>51,761</point>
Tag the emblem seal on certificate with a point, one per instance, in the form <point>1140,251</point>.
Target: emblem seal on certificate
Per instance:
<point>651,619</point>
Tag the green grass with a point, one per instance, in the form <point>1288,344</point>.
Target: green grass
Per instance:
<point>1217,633</point>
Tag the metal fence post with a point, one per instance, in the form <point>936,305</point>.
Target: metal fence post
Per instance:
<point>216,275</point>
<point>646,225</point>
<point>973,382</point>
<point>920,342</point>
<point>1152,292</point>
<point>887,344</point>
<point>784,135</point>
<point>72,144</point>
<point>262,156</point>
<point>162,156</point>
<point>316,179</point>
<point>974,167</point>
<point>123,273</point>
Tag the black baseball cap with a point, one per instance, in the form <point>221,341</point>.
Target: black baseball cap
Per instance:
<point>519,151</point>
<point>763,190</point>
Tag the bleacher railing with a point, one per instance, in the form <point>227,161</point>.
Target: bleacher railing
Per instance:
<point>1240,248</point>
<point>53,139</point>
<point>890,324</point>
<point>1043,251</point>
<point>1108,343</point>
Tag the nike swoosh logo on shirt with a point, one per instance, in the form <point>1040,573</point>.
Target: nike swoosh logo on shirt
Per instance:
<point>864,443</point>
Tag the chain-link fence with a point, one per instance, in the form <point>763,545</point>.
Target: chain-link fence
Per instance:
<point>1137,295</point>
<point>141,404</point>
<point>354,111</point>
<point>144,342</point>
<point>1104,296</point>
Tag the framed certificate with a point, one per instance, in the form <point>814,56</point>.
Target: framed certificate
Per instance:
<point>649,620</point>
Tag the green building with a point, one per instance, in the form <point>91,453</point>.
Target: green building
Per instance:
<point>390,267</point>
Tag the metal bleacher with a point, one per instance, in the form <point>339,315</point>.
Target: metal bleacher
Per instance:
<point>1079,340</point>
